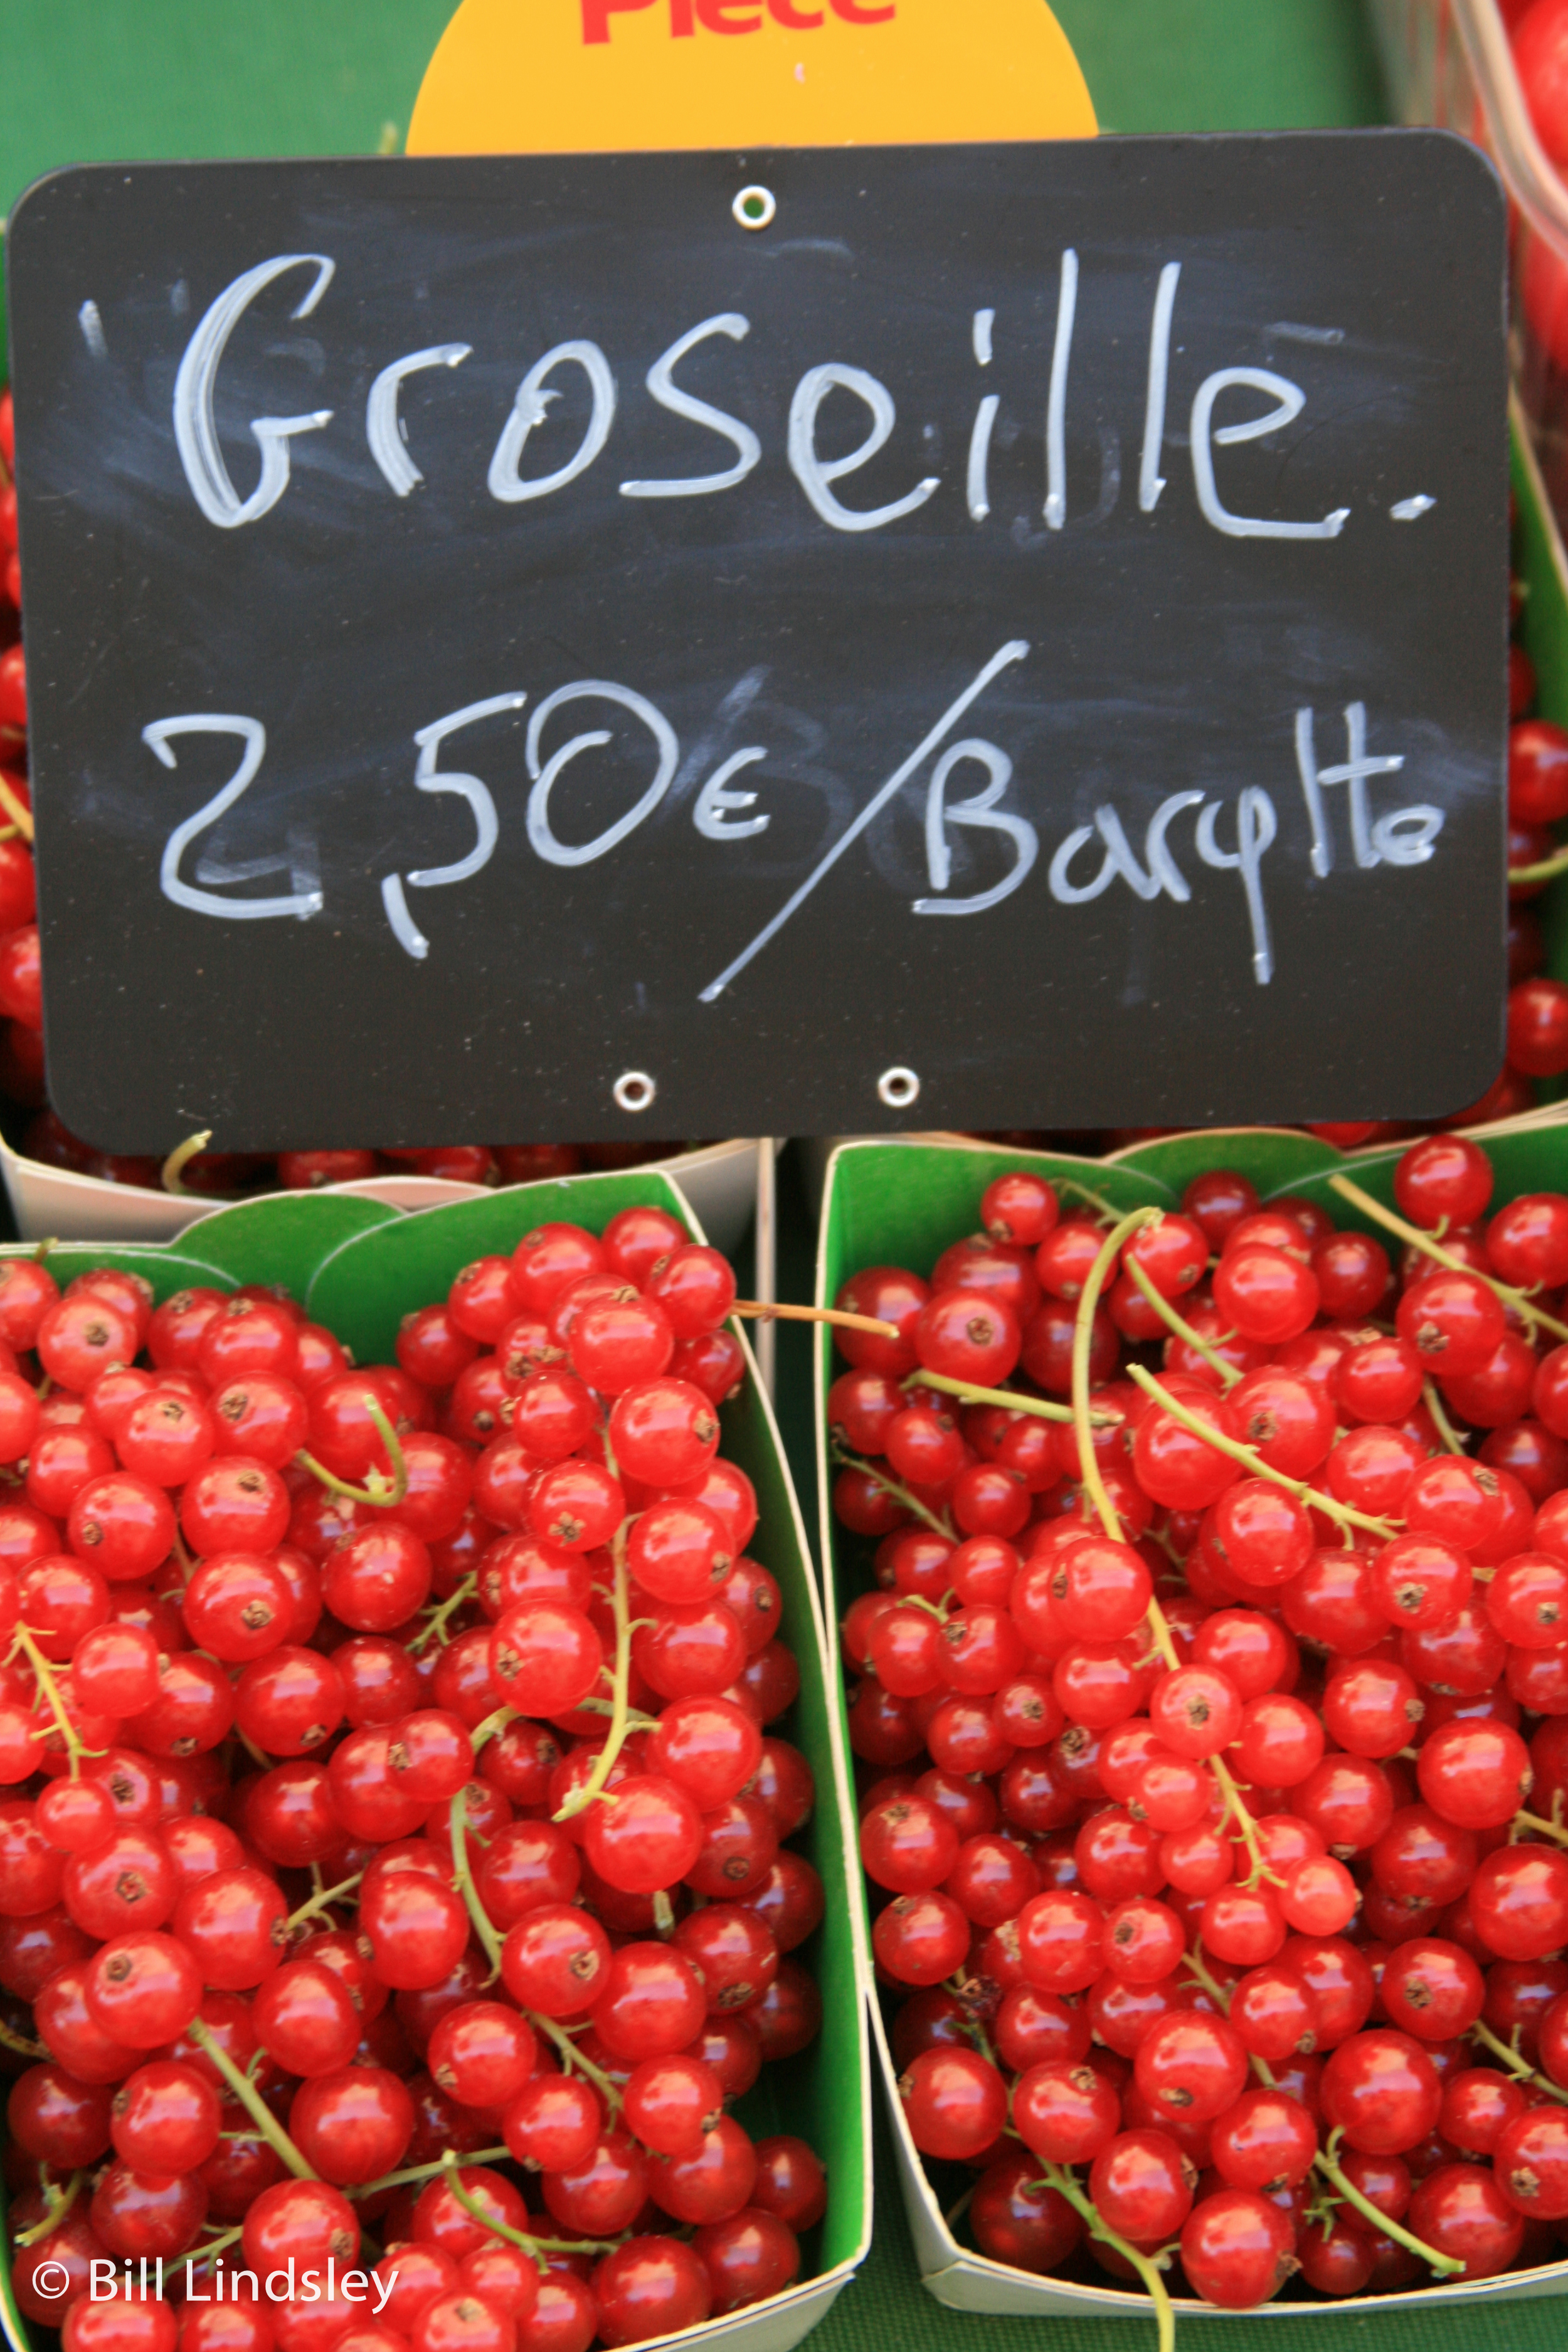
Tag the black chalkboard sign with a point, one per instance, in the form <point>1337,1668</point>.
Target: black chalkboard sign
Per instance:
<point>948,636</point>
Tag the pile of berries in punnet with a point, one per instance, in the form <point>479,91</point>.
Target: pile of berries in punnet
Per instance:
<point>392,1857</point>
<point>1210,1712</point>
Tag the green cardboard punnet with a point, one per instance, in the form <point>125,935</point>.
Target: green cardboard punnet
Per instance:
<point>359,1268</point>
<point>902,1205</point>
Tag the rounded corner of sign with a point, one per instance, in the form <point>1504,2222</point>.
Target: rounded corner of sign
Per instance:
<point>1461,153</point>
<point>19,216</point>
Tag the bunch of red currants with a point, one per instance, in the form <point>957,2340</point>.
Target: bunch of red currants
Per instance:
<point>1211,1720</point>
<point>396,1843</point>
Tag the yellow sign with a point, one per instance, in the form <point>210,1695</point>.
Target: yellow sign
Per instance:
<point>562,77</point>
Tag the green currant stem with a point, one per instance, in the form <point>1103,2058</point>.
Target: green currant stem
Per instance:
<point>1107,1209</point>
<point>937,1609</point>
<point>963,1989</point>
<point>536,2247</point>
<point>1433,1249</point>
<point>1245,1823</point>
<point>1517,2066</point>
<point>210,2246</point>
<point>20,2044</point>
<point>16,813</point>
<point>1082,1340</point>
<point>491,1725</point>
<point>322,1900</point>
<point>1546,870</point>
<point>422,2172</point>
<point>60,2202</point>
<point>1035,1408</point>
<point>753,1310</point>
<point>900,1494</point>
<point>439,1617</point>
<point>1327,2162</point>
<point>386,1494</point>
<point>483,1925</point>
<point>1094,1485</point>
<point>635,1722</point>
<point>1192,1962</point>
<point>44,1673</point>
<point>1542,1827</point>
<point>251,2100</point>
<point>1067,2185</point>
<point>594,1788</point>
<point>1440,1421</point>
<point>1250,1459</point>
<point>572,2058</point>
<point>1183,1330</point>
<point>179,1160</point>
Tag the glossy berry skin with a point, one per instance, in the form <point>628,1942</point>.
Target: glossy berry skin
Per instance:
<point>481,2053</point>
<point>165,2118</point>
<point>1265,1293</point>
<point>1142,2184</point>
<point>748,2257</point>
<point>305,2018</point>
<point>1461,2209</point>
<point>1443,1177</point>
<point>352,2126</point>
<point>136,2214</point>
<point>651,2286</point>
<point>1537,1033</point>
<point>1383,2092</point>
<point>552,2123</point>
<point>955,2102</point>
<point>1191,2067</point>
<point>664,1432</point>
<point>790,2182</point>
<point>307,2218</point>
<point>233,1927</point>
<point>1474,1774</point>
<point>1064,2112</point>
<point>649,1838</point>
<point>1235,2249</point>
<point>1432,1990</point>
<point>672,2102</point>
<point>143,1990</point>
<point>603,2194</point>
<point>556,1960</point>
<point>57,2120</point>
<point>1531,2163</point>
<point>1265,2139</point>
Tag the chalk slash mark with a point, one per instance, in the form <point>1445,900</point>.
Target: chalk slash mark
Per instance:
<point>1014,651</point>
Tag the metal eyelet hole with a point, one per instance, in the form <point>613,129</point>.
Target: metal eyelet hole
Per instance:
<point>898,1088</point>
<point>756,207</point>
<point>635,1090</point>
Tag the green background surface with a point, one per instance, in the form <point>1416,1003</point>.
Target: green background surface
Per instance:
<point>92,79</point>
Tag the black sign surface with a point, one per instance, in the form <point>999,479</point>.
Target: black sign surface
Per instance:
<point>989,636</point>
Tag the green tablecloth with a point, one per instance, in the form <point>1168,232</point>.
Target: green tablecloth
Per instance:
<point>91,80</point>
